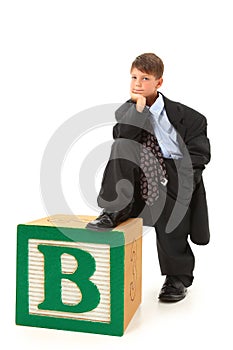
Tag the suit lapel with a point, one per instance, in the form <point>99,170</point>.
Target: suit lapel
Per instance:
<point>175,115</point>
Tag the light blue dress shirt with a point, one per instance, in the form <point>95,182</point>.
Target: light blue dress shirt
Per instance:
<point>164,130</point>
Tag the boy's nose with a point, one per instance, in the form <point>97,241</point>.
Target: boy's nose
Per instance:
<point>138,83</point>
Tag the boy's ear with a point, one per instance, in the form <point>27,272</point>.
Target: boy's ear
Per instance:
<point>159,83</point>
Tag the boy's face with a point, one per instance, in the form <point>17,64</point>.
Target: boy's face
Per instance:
<point>144,84</point>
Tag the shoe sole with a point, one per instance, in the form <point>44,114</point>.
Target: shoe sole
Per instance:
<point>171,298</point>
<point>93,228</point>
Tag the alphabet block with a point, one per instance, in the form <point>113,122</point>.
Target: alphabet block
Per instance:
<point>72,278</point>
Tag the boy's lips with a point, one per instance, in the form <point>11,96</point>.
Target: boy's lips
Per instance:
<point>137,91</point>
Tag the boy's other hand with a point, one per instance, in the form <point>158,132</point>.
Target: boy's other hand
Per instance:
<point>140,101</point>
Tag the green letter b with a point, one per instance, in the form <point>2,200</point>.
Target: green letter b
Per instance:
<point>53,276</point>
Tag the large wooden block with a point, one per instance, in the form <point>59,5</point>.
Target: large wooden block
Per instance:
<point>72,278</point>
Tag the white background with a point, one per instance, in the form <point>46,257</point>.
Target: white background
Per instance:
<point>61,57</point>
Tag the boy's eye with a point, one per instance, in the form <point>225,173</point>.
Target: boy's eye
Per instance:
<point>145,78</point>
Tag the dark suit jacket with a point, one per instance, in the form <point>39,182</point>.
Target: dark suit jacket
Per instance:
<point>191,129</point>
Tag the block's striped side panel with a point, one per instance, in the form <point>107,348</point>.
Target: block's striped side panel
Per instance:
<point>71,294</point>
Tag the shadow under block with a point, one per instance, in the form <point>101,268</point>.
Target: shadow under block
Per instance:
<point>72,278</point>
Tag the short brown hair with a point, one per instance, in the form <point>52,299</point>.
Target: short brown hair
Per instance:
<point>149,63</point>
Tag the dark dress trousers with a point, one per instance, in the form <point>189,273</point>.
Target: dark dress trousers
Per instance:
<point>181,210</point>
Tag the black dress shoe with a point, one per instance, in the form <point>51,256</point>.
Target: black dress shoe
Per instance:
<point>172,290</point>
<point>106,221</point>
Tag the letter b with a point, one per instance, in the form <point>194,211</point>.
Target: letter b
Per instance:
<point>53,278</point>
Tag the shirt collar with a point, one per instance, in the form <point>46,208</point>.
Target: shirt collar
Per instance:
<point>157,106</point>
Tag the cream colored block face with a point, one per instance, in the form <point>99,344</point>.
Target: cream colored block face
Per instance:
<point>70,292</point>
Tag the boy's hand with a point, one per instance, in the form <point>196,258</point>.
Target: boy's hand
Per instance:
<point>140,101</point>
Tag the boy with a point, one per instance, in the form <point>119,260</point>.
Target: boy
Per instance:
<point>155,171</point>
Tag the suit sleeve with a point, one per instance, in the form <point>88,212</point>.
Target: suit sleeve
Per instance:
<point>130,122</point>
<point>198,146</point>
